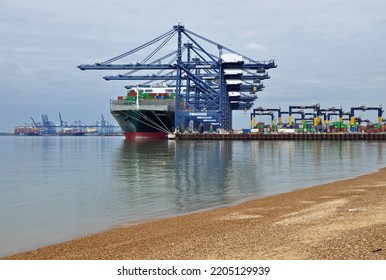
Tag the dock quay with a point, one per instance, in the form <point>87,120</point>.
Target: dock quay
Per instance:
<point>284,136</point>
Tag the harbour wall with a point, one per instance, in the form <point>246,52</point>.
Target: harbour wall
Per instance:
<point>284,136</point>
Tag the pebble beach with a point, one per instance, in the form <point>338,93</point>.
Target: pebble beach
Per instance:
<point>344,220</point>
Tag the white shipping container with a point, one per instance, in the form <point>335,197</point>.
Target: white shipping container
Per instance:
<point>233,82</point>
<point>233,71</point>
<point>234,93</point>
<point>231,58</point>
<point>286,130</point>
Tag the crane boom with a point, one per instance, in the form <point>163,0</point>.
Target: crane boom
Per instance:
<point>203,82</point>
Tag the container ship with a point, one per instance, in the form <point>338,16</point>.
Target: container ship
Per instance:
<point>71,132</point>
<point>146,112</point>
<point>27,131</point>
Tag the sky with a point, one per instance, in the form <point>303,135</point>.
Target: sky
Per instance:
<point>330,52</point>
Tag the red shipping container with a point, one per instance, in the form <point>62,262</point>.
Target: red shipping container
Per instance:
<point>132,93</point>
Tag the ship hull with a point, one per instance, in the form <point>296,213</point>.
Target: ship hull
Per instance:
<point>144,124</point>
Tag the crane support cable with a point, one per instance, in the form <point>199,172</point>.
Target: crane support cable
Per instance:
<point>161,121</point>
<point>158,60</point>
<point>219,45</point>
<point>174,59</point>
<point>161,82</point>
<point>167,55</point>
<point>209,93</point>
<point>148,124</point>
<point>158,48</point>
<point>199,82</point>
<point>154,123</point>
<point>202,49</point>
<point>139,48</point>
<point>196,51</point>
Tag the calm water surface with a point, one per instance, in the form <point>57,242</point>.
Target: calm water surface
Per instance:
<point>56,188</point>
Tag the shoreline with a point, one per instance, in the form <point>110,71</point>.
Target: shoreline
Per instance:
<point>340,220</point>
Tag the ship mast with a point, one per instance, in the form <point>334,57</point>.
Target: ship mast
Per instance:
<point>137,101</point>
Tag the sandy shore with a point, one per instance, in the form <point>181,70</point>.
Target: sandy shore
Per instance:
<point>342,220</point>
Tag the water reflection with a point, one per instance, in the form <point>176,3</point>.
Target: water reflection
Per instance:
<point>175,176</point>
<point>163,178</point>
<point>203,173</point>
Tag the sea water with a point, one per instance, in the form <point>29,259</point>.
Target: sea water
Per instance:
<point>53,189</point>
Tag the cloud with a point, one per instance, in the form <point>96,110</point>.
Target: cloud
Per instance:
<point>27,72</point>
<point>255,47</point>
<point>378,79</point>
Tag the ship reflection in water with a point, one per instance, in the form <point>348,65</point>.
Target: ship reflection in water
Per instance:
<point>159,178</point>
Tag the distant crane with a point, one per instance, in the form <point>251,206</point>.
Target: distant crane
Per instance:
<point>46,127</point>
<point>35,123</point>
<point>62,123</point>
<point>103,123</point>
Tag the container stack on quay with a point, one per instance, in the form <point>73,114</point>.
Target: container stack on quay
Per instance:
<point>336,127</point>
<point>319,127</point>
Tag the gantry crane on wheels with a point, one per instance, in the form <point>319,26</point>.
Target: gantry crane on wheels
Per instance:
<point>341,116</point>
<point>301,113</point>
<point>326,116</point>
<point>364,108</point>
<point>254,114</point>
<point>209,85</point>
<point>315,107</point>
<point>262,110</point>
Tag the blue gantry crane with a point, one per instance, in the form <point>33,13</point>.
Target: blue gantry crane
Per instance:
<point>315,107</point>
<point>331,111</point>
<point>265,110</point>
<point>210,79</point>
<point>364,108</point>
<point>268,113</point>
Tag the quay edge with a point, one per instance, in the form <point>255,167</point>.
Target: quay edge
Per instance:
<point>284,136</point>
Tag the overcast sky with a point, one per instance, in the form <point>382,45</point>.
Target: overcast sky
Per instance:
<point>330,52</point>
